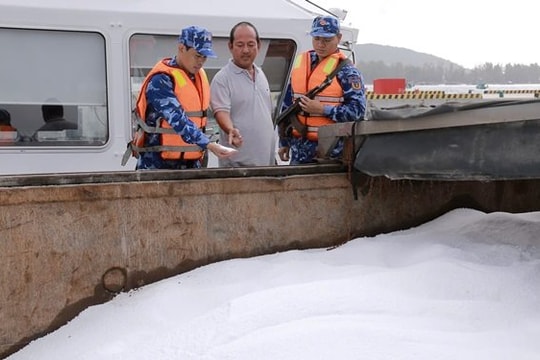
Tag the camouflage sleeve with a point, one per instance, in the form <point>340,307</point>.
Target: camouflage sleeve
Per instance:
<point>288,98</point>
<point>160,96</point>
<point>354,94</point>
<point>287,101</point>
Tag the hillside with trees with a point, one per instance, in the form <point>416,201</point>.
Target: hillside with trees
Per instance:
<point>379,61</point>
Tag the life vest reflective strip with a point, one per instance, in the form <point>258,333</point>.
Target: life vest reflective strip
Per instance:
<point>303,80</point>
<point>329,99</point>
<point>8,134</point>
<point>195,99</point>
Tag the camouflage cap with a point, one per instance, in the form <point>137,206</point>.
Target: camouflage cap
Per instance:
<point>198,38</point>
<point>325,26</point>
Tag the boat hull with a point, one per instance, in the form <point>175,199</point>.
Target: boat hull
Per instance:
<point>72,241</point>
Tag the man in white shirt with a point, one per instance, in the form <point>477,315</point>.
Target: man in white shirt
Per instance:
<point>242,104</point>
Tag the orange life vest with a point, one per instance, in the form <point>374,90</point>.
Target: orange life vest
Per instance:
<point>303,80</point>
<point>195,99</point>
<point>8,134</point>
<point>7,128</point>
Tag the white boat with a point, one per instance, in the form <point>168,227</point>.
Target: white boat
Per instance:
<point>91,57</point>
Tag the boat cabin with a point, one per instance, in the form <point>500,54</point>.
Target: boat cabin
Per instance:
<point>87,60</point>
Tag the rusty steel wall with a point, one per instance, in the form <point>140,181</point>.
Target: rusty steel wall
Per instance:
<point>66,247</point>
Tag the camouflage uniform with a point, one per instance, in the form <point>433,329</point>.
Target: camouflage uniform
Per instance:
<point>352,109</point>
<point>163,103</point>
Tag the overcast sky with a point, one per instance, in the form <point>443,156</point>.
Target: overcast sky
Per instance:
<point>467,32</point>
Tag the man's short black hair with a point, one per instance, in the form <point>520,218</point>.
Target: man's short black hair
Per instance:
<point>5,117</point>
<point>52,111</point>
<point>244,23</point>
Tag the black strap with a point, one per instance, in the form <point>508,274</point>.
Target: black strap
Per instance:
<point>330,77</point>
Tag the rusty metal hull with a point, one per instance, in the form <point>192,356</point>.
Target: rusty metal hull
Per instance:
<point>81,238</point>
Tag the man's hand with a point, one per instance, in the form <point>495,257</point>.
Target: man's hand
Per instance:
<point>235,138</point>
<point>221,151</point>
<point>311,106</point>
<point>283,153</point>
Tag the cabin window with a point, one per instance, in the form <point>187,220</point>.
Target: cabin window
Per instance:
<point>56,74</point>
<point>275,58</point>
